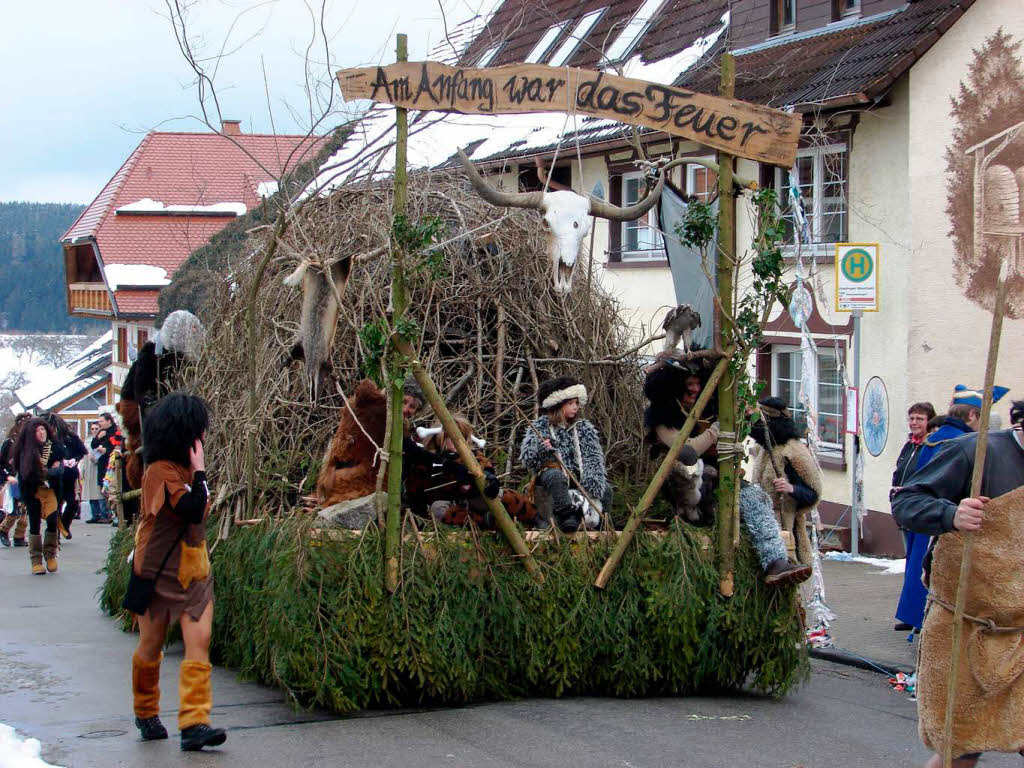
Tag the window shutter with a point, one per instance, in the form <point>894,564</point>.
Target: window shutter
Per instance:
<point>615,227</point>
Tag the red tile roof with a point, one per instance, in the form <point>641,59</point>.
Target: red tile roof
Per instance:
<point>180,169</point>
<point>136,302</point>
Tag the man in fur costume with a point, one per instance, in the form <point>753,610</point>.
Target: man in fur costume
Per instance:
<point>937,501</point>
<point>786,471</point>
<point>350,467</point>
<point>560,442</point>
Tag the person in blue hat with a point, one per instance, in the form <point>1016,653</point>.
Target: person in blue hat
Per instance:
<point>963,418</point>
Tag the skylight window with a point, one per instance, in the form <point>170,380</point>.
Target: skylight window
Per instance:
<point>545,43</point>
<point>489,54</point>
<point>633,31</point>
<point>578,35</point>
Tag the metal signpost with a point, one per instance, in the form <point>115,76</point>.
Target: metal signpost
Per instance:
<point>856,292</point>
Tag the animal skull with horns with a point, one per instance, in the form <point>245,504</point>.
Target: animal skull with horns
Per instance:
<point>566,217</point>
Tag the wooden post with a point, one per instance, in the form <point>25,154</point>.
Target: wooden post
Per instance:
<point>452,430</point>
<point>395,383</point>
<point>637,515</point>
<point>980,452</point>
<point>728,465</point>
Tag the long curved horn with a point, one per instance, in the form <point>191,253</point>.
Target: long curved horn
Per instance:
<point>605,210</point>
<point>497,197</point>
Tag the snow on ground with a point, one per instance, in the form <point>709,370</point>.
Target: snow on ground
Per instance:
<point>887,566</point>
<point>18,753</point>
<point>434,137</point>
<point>135,274</point>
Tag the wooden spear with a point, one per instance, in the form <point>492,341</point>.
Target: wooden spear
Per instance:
<point>452,430</point>
<point>968,538</point>
<point>395,384</point>
<point>637,515</point>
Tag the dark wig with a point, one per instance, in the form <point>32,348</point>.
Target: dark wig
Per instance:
<point>57,425</point>
<point>20,419</point>
<point>1017,413</point>
<point>172,427</point>
<point>27,449</point>
<point>770,431</point>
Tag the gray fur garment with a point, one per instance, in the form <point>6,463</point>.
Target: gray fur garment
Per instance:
<point>592,477</point>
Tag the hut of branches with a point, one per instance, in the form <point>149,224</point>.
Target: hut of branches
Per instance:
<point>352,619</point>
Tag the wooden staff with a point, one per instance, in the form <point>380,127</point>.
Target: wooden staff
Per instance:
<point>659,477</point>
<point>452,430</point>
<point>968,538</point>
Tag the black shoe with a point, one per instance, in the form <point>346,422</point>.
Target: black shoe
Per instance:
<point>151,729</point>
<point>5,539</point>
<point>781,572</point>
<point>20,542</point>
<point>93,520</point>
<point>196,737</point>
<point>903,627</point>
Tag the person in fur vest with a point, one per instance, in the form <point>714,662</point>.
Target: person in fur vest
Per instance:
<point>786,471</point>
<point>559,442</point>
<point>937,502</point>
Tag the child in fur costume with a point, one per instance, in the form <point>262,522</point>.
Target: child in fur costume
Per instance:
<point>786,471</point>
<point>16,517</point>
<point>937,502</point>
<point>39,457</point>
<point>170,549</point>
<point>560,441</point>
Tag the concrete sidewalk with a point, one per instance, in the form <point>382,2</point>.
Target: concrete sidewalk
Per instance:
<point>863,598</point>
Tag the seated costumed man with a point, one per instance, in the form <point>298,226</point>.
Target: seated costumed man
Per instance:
<point>937,501</point>
<point>559,442</point>
<point>443,485</point>
<point>787,472</point>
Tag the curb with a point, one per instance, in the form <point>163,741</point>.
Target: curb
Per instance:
<point>846,658</point>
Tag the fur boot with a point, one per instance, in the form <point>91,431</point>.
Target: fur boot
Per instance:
<point>146,687</point>
<point>35,554</point>
<point>51,543</point>
<point>196,699</point>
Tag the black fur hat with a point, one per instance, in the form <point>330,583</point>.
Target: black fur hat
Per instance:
<point>553,392</point>
<point>172,426</point>
<point>781,428</point>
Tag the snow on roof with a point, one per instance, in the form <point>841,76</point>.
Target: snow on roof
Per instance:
<point>148,205</point>
<point>434,137</point>
<point>47,381</point>
<point>69,391</point>
<point>119,275</point>
<point>266,188</point>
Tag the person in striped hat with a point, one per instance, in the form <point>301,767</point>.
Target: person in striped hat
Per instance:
<point>963,417</point>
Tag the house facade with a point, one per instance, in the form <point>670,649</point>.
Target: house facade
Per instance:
<point>894,95</point>
<point>174,192</point>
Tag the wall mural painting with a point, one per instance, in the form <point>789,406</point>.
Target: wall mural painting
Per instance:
<point>985,173</point>
<point>875,417</point>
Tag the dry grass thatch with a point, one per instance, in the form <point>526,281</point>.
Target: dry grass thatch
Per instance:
<point>487,315</point>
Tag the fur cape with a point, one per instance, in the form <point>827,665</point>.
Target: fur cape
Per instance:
<point>790,517</point>
<point>990,689</point>
<point>592,475</point>
<point>349,470</point>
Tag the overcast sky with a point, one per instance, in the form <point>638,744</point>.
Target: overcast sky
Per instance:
<point>85,79</point>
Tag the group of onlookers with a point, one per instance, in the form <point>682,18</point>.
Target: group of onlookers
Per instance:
<point>46,472</point>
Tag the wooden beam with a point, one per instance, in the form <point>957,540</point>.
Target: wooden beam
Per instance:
<point>742,129</point>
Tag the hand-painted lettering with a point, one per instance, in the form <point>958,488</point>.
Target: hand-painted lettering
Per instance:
<point>750,128</point>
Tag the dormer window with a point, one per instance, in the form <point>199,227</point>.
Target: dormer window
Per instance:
<point>630,35</point>
<point>848,8</point>
<point>489,55</point>
<point>572,43</point>
<point>783,18</point>
<point>544,44</point>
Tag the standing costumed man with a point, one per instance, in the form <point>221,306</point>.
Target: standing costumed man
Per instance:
<point>787,471</point>
<point>990,681</point>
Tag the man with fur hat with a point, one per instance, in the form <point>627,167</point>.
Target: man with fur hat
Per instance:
<point>786,471</point>
<point>560,442</point>
<point>937,501</point>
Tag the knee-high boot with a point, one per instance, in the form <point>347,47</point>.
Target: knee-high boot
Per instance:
<point>146,687</point>
<point>50,546</point>
<point>196,698</point>
<point>35,553</point>
<point>20,526</point>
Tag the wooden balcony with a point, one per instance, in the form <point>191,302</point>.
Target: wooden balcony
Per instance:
<point>89,298</point>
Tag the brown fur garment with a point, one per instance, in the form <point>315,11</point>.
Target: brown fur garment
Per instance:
<point>133,468</point>
<point>990,689</point>
<point>350,467</point>
<point>789,516</point>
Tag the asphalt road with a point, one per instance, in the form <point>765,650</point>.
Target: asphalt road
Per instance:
<point>65,681</point>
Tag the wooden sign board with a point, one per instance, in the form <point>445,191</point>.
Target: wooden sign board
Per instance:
<point>733,126</point>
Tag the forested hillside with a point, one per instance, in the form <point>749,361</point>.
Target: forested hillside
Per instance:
<point>32,294</point>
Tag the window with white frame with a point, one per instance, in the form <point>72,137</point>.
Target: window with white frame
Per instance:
<point>822,181</point>
<point>627,39</point>
<point>489,55</point>
<point>576,37</point>
<point>640,238</point>
<point>849,7</point>
<point>784,16</point>
<point>826,395</point>
<point>700,181</point>
<point>544,44</point>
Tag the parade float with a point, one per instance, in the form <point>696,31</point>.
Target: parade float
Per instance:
<point>419,275</point>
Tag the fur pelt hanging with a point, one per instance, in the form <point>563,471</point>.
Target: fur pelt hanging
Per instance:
<point>990,688</point>
<point>132,425</point>
<point>321,289</point>
<point>349,470</point>
<point>771,464</point>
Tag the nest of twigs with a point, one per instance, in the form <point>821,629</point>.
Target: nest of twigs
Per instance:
<point>490,329</point>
